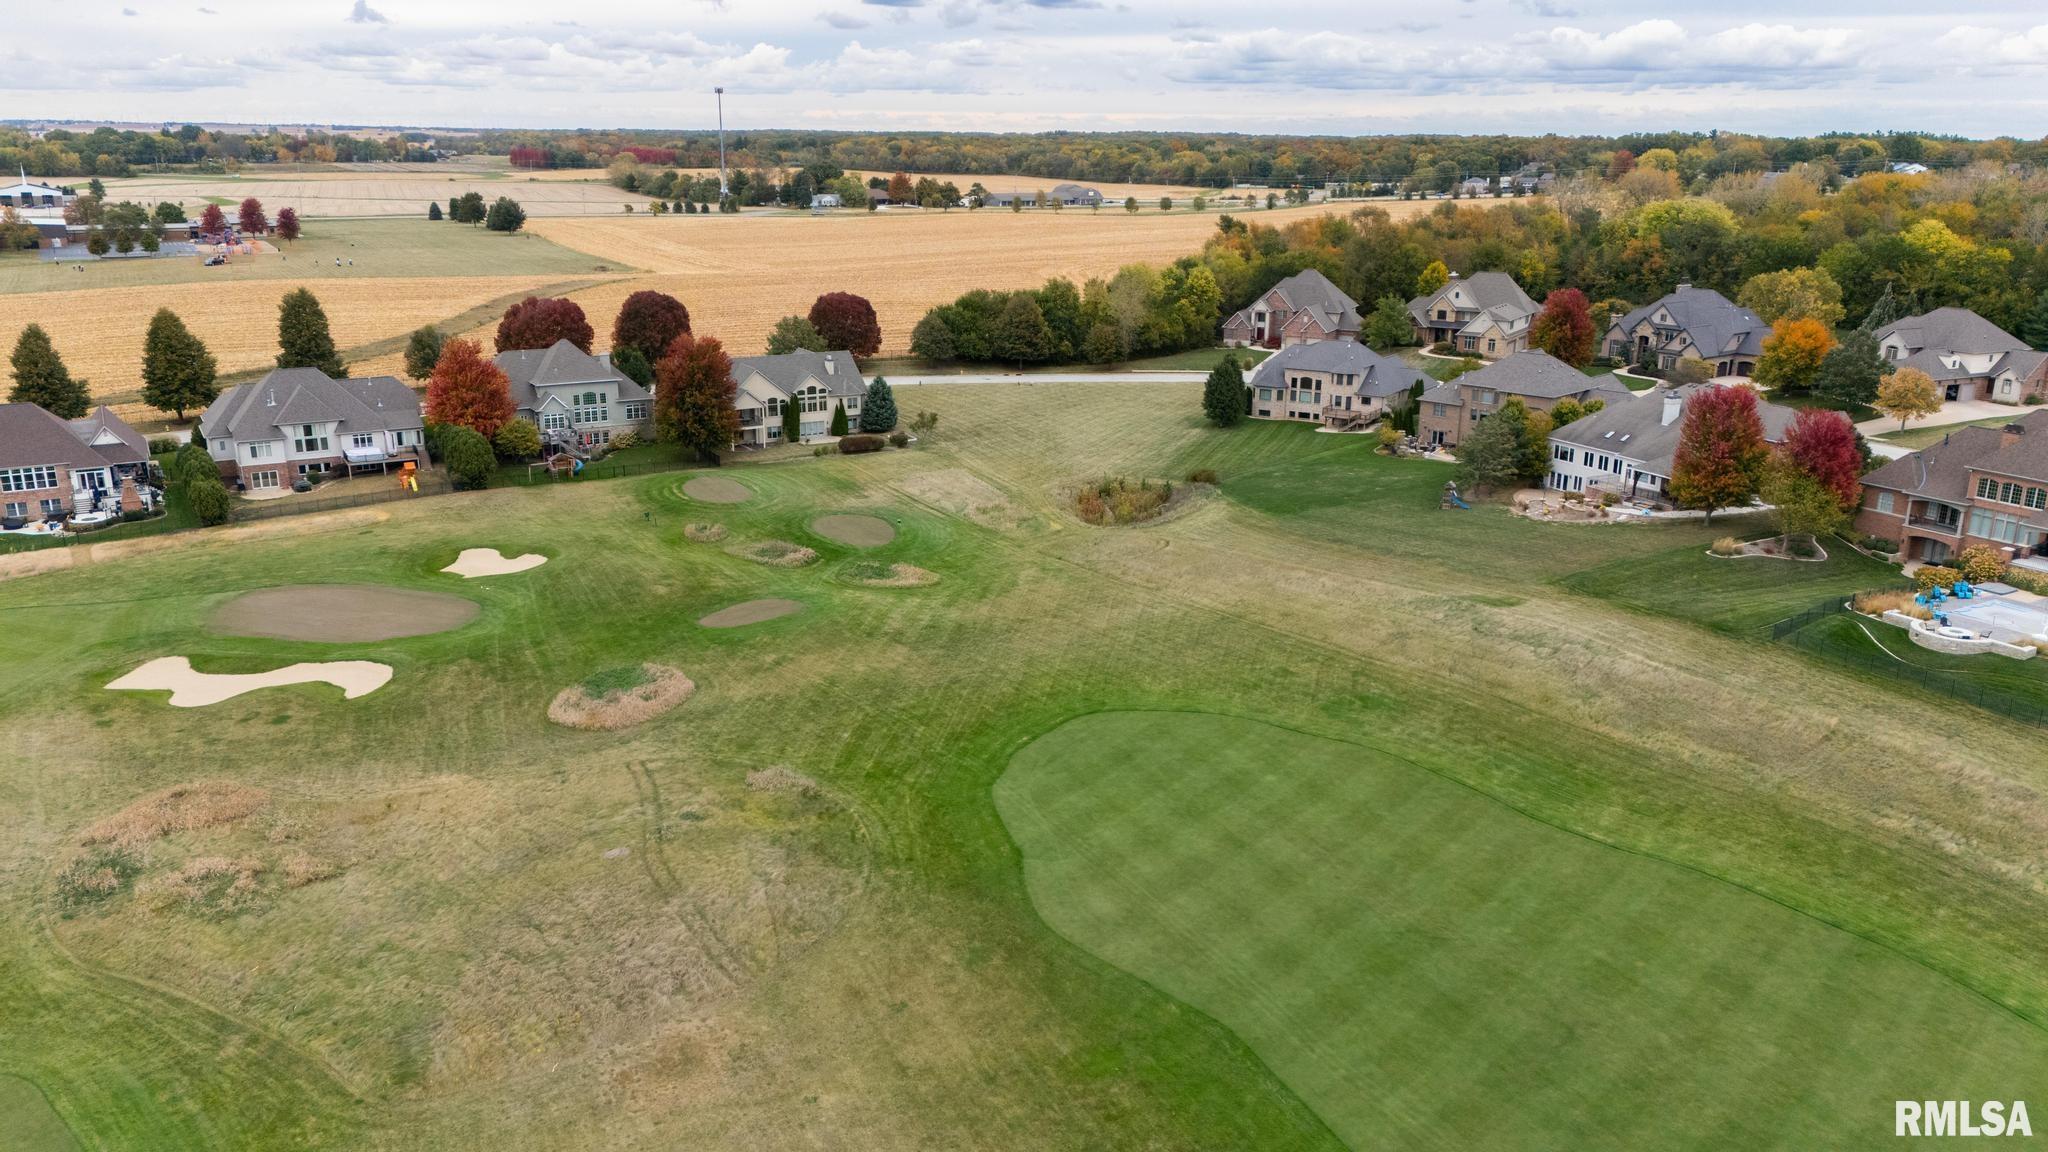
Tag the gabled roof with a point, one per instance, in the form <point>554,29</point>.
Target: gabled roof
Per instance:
<point>110,436</point>
<point>1942,471</point>
<point>793,370</point>
<point>30,437</point>
<point>1539,376</point>
<point>1377,375</point>
<point>562,365</point>
<point>310,396</point>
<point>1634,427</point>
<point>1311,291</point>
<point>1485,291</point>
<point>1951,330</point>
<point>1714,324</point>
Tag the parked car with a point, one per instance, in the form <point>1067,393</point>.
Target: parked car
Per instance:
<point>214,259</point>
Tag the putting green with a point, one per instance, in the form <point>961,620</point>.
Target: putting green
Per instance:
<point>1429,969</point>
<point>855,531</point>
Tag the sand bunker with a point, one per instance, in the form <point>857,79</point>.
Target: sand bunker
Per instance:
<point>775,553</point>
<point>751,612</point>
<point>621,697</point>
<point>855,531</point>
<point>716,490</point>
<point>192,689</point>
<point>475,562</point>
<point>704,533</point>
<point>341,613</point>
<point>875,574</point>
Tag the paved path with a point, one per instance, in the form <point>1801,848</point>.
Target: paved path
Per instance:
<point>1953,412</point>
<point>1050,378</point>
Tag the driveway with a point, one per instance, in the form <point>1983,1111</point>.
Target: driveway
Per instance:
<point>1953,412</point>
<point>1050,378</point>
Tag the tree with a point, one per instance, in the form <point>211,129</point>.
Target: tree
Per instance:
<point>209,499</point>
<point>423,351</point>
<point>538,321</point>
<point>469,391</point>
<point>1793,353</point>
<point>1389,325</point>
<point>1849,374</point>
<point>900,189</point>
<point>1131,204</point>
<point>1223,394</point>
<point>1823,445</point>
<point>838,426</point>
<point>629,361</point>
<point>178,373</point>
<point>1885,311</point>
<point>695,396</point>
<point>505,215</point>
<point>169,212</point>
<point>1166,203</point>
<point>878,411</point>
<point>1565,327</point>
<point>1907,393</point>
<point>649,321</point>
<point>213,220</point>
<point>468,457</point>
<point>1796,294</point>
<point>1800,504</point>
<point>517,440</point>
<point>288,223</point>
<point>40,377</point>
<point>303,338</point>
<point>795,333</point>
<point>250,217</point>
<point>1020,333</point>
<point>434,210</point>
<point>1565,411</point>
<point>1434,276</point>
<point>847,322</point>
<point>1490,456</point>
<point>2033,327</point>
<point>792,422</point>
<point>932,339</point>
<point>1721,451</point>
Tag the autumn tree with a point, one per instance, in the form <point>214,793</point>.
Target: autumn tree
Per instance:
<point>1721,450</point>
<point>303,337</point>
<point>538,321</point>
<point>1823,445</point>
<point>1907,394</point>
<point>249,217</point>
<point>178,373</point>
<point>40,377</point>
<point>288,223</point>
<point>1389,325</point>
<point>1223,394</point>
<point>695,396</point>
<point>797,334</point>
<point>649,321</point>
<point>1801,505</point>
<point>900,189</point>
<point>1793,353</point>
<point>423,351</point>
<point>1433,277</point>
<point>1565,327</point>
<point>468,390</point>
<point>1793,294</point>
<point>213,220</point>
<point>847,322</point>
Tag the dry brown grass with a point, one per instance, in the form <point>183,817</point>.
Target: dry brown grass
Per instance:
<point>1878,603</point>
<point>774,553</point>
<point>317,194</point>
<point>782,779</point>
<point>662,689</point>
<point>217,881</point>
<point>704,533</point>
<point>873,574</point>
<point>181,808</point>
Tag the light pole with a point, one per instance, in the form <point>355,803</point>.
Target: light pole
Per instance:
<point>724,190</point>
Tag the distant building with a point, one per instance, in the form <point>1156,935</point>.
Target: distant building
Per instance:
<point>813,382</point>
<point>1302,309</point>
<point>825,200</point>
<point>53,468</point>
<point>1968,357</point>
<point>1628,446</point>
<point>26,194</point>
<point>1065,195</point>
<point>301,422</point>
<point>1977,486</point>
<point>1690,323</point>
<point>1451,410</point>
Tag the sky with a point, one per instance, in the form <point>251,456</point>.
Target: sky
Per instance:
<point>1512,66</point>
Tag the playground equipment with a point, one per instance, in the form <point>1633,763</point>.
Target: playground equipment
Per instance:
<point>408,477</point>
<point>1451,497</point>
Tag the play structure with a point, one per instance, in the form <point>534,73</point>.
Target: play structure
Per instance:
<point>408,477</point>
<point>1451,497</point>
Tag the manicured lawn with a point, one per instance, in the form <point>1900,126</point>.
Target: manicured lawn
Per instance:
<point>1857,413</point>
<point>1740,594</point>
<point>1917,438</point>
<point>1196,360</point>
<point>1882,652</point>
<point>27,1123</point>
<point>178,515</point>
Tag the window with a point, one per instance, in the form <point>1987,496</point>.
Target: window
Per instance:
<point>1884,502</point>
<point>775,431</point>
<point>1436,409</point>
<point>554,421</point>
<point>636,410</point>
<point>261,449</point>
<point>17,510</point>
<point>265,479</point>
<point>593,408</point>
<point>1489,343</point>
<point>812,398</point>
<point>53,507</point>
<point>313,468</point>
<point>1562,452</point>
<point>1265,393</point>
<point>1998,526</point>
<point>775,405</point>
<point>28,479</point>
<point>401,438</point>
<point>308,440</point>
<point>363,440</point>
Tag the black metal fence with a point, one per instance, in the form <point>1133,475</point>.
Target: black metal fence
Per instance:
<point>601,470</point>
<point>1968,686</point>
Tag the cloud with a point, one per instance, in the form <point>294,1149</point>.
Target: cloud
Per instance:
<point>1969,45</point>
<point>129,12</point>
<point>845,20</point>
<point>1548,8</point>
<point>362,13</point>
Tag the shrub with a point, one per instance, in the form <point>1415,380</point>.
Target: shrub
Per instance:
<point>1118,500</point>
<point>1727,546</point>
<point>900,439</point>
<point>863,442</point>
<point>1880,544</point>
<point>1979,564</point>
<point>1802,547</point>
<point>517,440</point>
<point>98,875</point>
<point>1389,436</point>
<point>163,446</point>
<point>1935,576</point>
<point>1888,600</point>
<point>2027,581</point>
<point>821,450</point>
<point>209,499</point>
<point>468,456</point>
<point>625,440</point>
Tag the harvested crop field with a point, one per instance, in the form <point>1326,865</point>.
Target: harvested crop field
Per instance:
<point>620,697</point>
<point>366,194</point>
<point>751,612</point>
<point>716,490</point>
<point>855,531</point>
<point>341,613</point>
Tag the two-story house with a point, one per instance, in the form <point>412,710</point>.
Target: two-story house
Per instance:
<point>1451,409</point>
<point>1978,486</point>
<point>1336,383</point>
<point>1627,447</point>
<point>52,468</point>
<point>301,422</point>
<point>1968,357</point>
<point>812,381</point>
<point>1690,323</point>
<point>1485,315</point>
<point>1301,309</point>
<point>578,401</point>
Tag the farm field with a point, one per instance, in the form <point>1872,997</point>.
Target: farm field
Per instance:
<point>852,892</point>
<point>372,194</point>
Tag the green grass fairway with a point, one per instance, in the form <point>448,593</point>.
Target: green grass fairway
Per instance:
<point>1431,969</point>
<point>1884,652</point>
<point>27,1122</point>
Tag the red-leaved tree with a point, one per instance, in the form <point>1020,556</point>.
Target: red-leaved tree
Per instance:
<point>695,396</point>
<point>213,220</point>
<point>288,223</point>
<point>1721,450</point>
<point>469,390</point>
<point>250,217</point>
<point>649,322</point>
<point>1823,444</point>
<point>537,322</point>
<point>847,322</point>
<point>527,156</point>
<point>1565,327</point>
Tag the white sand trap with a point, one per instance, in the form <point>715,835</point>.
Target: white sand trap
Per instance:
<point>475,562</point>
<point>192,689</point>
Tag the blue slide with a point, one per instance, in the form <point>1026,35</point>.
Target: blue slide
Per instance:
<point>1460,502</point>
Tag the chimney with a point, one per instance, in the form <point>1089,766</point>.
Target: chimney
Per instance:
<point>1454,275</point>
<point>831,366</point>
<point>270,398</point>
<point>2010,433</point>
<point>1673,404</point>
<point>1683,288</point>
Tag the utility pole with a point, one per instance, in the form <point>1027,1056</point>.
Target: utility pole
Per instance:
<point>724,189</point>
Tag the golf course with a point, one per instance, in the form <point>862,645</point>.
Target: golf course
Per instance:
<point>878,801</point>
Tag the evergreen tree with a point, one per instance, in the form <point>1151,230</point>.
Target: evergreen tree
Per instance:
<point>792,422</point>
<point>1886,310</point>
<point>1490,455</point>
<point>505,215</point>
<point>1223,394</point>
<point>1851,371</point>
<point>423,351</point>
<point>878,411</point>
<point>41,378</point>
<point>303,338</point>
<point>178,373</point>
<point>468,456</point>
<point>208,499</point>
<point>1020,331</point>
<point>434,210</point>
<point>1389,325</point>
<point>628,359</point>
<point>838,427</point>
<point>2034,325</point>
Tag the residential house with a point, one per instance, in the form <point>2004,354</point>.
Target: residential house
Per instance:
<point>1337,383</point>
<point>824,200</point>
<point>1969,357</point>
<point>1065,195</point>
<point>1627,447</point>
<point>1690,323</point>
<point>1451,409</point>
<point>879,198</point>
<point>578,401</point>
<point>52,468</point>
<point>1301,309</point>
<point>301,423</point>
<point>1485,315</point>
<point>1907,168</point>
<point>1473,187</point>
<point>1534,177</point>
<point>1978,486</point>
<point>813,381</point>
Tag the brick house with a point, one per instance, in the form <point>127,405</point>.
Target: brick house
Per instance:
<point>300,422</point>
<point>578,401</point>
<point>1451,409</point>
<point>1337,383</point>
<point>1485,315</point>
<point>54,468</point>
<point>1690,323</point>
<point>1627,447</point>
<point>1968,357</point>
<point>1978,486</point>
<point>1301,309</point>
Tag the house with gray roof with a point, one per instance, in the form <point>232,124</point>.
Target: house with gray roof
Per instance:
<point>1486,315</point>
<point>1336,383</point>
<point>1065,195</point>
<point>1626,448</point>
<point>302,423</point>
<point>1690,323</point>
<point>1968,357</point>
<point>1452,408</point>
<point>1979,485</point>
<point>814,382</point>
<point>52,468</point>
<point>1301,309</point>
<point>577,400</point>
